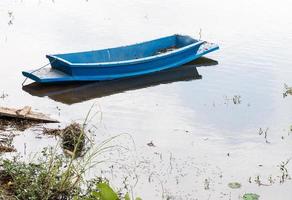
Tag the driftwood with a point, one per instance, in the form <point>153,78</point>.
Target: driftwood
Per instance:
<point>25,113</point>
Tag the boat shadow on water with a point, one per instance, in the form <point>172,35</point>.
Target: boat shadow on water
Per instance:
<point>76,92</point>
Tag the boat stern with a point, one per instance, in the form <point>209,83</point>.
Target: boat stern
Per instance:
<point>47,75</point>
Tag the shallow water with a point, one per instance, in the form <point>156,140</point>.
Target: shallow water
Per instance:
<point>202,139</point>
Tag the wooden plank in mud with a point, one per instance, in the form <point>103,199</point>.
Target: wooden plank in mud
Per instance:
<point>26,113</point>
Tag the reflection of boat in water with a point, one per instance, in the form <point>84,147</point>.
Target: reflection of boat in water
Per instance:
<point>71,93</point>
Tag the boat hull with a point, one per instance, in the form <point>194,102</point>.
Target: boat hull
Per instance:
<point>63,71</point>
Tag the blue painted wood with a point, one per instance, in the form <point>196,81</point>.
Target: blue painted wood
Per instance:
<point>121,62</point>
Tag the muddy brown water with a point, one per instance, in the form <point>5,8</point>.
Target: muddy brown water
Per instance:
<point>201,139</point>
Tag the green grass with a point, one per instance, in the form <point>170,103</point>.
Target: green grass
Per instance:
<point>54,176</point>
<point>44,179</point>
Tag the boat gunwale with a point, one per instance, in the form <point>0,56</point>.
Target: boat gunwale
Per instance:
<point>126,62</point>
<point>111,77</point>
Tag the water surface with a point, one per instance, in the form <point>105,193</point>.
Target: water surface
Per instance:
<point>202,139</point>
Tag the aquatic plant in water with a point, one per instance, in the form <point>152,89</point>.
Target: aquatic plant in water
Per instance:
<point>251,196</point>
<point>72,138</point>
<point>234,185</point>
<point>288,90</point>
<point>103,191</point>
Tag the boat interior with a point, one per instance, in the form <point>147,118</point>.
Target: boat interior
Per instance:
<point>131,52</point>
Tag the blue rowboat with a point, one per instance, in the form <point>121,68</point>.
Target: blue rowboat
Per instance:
<point>121,62</point>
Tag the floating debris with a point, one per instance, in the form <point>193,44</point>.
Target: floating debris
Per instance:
<point>236,99</point>
<point>6,149</point>
<point>151,144</point>
<point>17,124</point>
<point>234,185</point>
<point>52,132</point>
